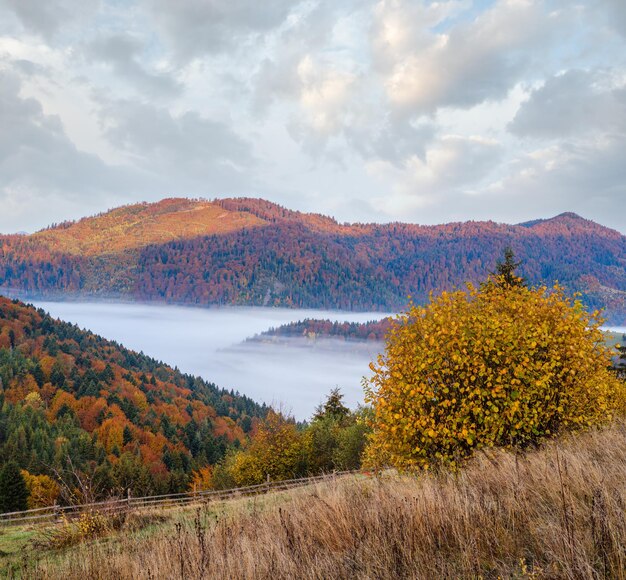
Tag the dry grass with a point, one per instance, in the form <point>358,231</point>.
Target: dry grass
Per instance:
<point>554,513</point>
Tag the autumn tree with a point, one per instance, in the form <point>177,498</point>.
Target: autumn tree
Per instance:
<point>502,365</point>
<point>277,450</point>
<point>43,491</point>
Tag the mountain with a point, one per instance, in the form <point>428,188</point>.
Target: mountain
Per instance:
<point>139,225</point>
<point>67,392</point>
<point>254,252</point>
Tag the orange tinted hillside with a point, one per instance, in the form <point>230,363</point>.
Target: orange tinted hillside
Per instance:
<point>272,212</point>
<point>139,225</point>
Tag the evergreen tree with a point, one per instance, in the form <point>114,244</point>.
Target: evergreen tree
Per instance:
<point>505,270</point>
<point>127,435</point>
<point>333,408</point>
<point>13,491</point>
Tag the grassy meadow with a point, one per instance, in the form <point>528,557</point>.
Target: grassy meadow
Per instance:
<point>555,512</point>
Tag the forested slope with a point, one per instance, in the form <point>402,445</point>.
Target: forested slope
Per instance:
<point>253,252</point>
<point>126,420</point>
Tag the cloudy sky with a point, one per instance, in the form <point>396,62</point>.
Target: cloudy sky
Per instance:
<point>366,110</point>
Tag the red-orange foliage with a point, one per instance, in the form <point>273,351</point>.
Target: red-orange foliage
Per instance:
<point>127,401</point>
<point>250,251</point>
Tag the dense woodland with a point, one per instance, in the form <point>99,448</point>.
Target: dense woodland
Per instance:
<point>125,420</point>
<point>313,328</point>
<point>257,253</point>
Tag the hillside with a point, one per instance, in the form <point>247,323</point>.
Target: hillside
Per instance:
<point>253,252</point>
<point>139,225</point>
<point>64,391</point>
<point>556,512</point>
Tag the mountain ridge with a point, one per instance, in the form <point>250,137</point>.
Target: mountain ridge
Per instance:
<point>266,213</point>
<point>249,251</point>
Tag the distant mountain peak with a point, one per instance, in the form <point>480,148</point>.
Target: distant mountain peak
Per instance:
<point>568,217</point>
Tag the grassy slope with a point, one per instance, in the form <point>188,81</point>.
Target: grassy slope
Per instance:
<point>554,513</point>
<point>139,225</point>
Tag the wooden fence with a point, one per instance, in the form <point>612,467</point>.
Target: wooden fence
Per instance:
<point>56,512</point>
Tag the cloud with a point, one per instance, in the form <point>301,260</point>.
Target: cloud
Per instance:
<point>571,104</point>
<point>391,139</point>
<point>334,102</point>
<point>588,175</point>
<point>194,28</point>
<point>403,109</point>
<point>191,153</point>
<point>39,163</point>
<point>324,98</point>
<point>482,59</point>
<point>449,171</point>
<point>616,12</point>
<point>48,17</point>
<point>123,53</point>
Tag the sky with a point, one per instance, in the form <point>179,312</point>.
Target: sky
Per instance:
<point>366,110</point>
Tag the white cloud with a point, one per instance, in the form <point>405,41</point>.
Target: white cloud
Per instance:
<point>193,28</point>
<point>48,17</point>
<point>425,69</point>
<point>123,54</point>
<point>368,109</point>
<point>198,156</point>
<point>39,163</point>
<point>450,168</point>
<point>576,102</point>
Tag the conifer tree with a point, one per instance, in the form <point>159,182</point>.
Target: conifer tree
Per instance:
<point>333,408</point>
<point>13,490</point>
<point>505,270</point>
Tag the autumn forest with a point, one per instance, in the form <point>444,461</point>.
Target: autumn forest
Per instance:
<point>253,252</point>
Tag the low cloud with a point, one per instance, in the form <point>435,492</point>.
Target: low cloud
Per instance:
<point>293,373</point>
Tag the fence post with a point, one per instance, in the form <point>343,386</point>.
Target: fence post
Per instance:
<point>55,508</point>
<point>128,498</point>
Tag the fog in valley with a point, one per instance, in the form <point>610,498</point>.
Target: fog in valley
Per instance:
<point>295,373</point>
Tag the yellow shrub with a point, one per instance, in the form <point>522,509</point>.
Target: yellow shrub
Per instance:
<point>202,479</point>
<point>91,524</point>
<point>276,450</point>
<point>43,491</point>
<point>500,365</point>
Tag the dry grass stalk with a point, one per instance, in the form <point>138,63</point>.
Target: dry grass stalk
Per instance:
<point>554,513</point>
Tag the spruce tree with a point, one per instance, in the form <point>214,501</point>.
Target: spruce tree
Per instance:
<point>505,270</point>
<point>127,435</point>
<point>13,491</point>
<point>333,408</point>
